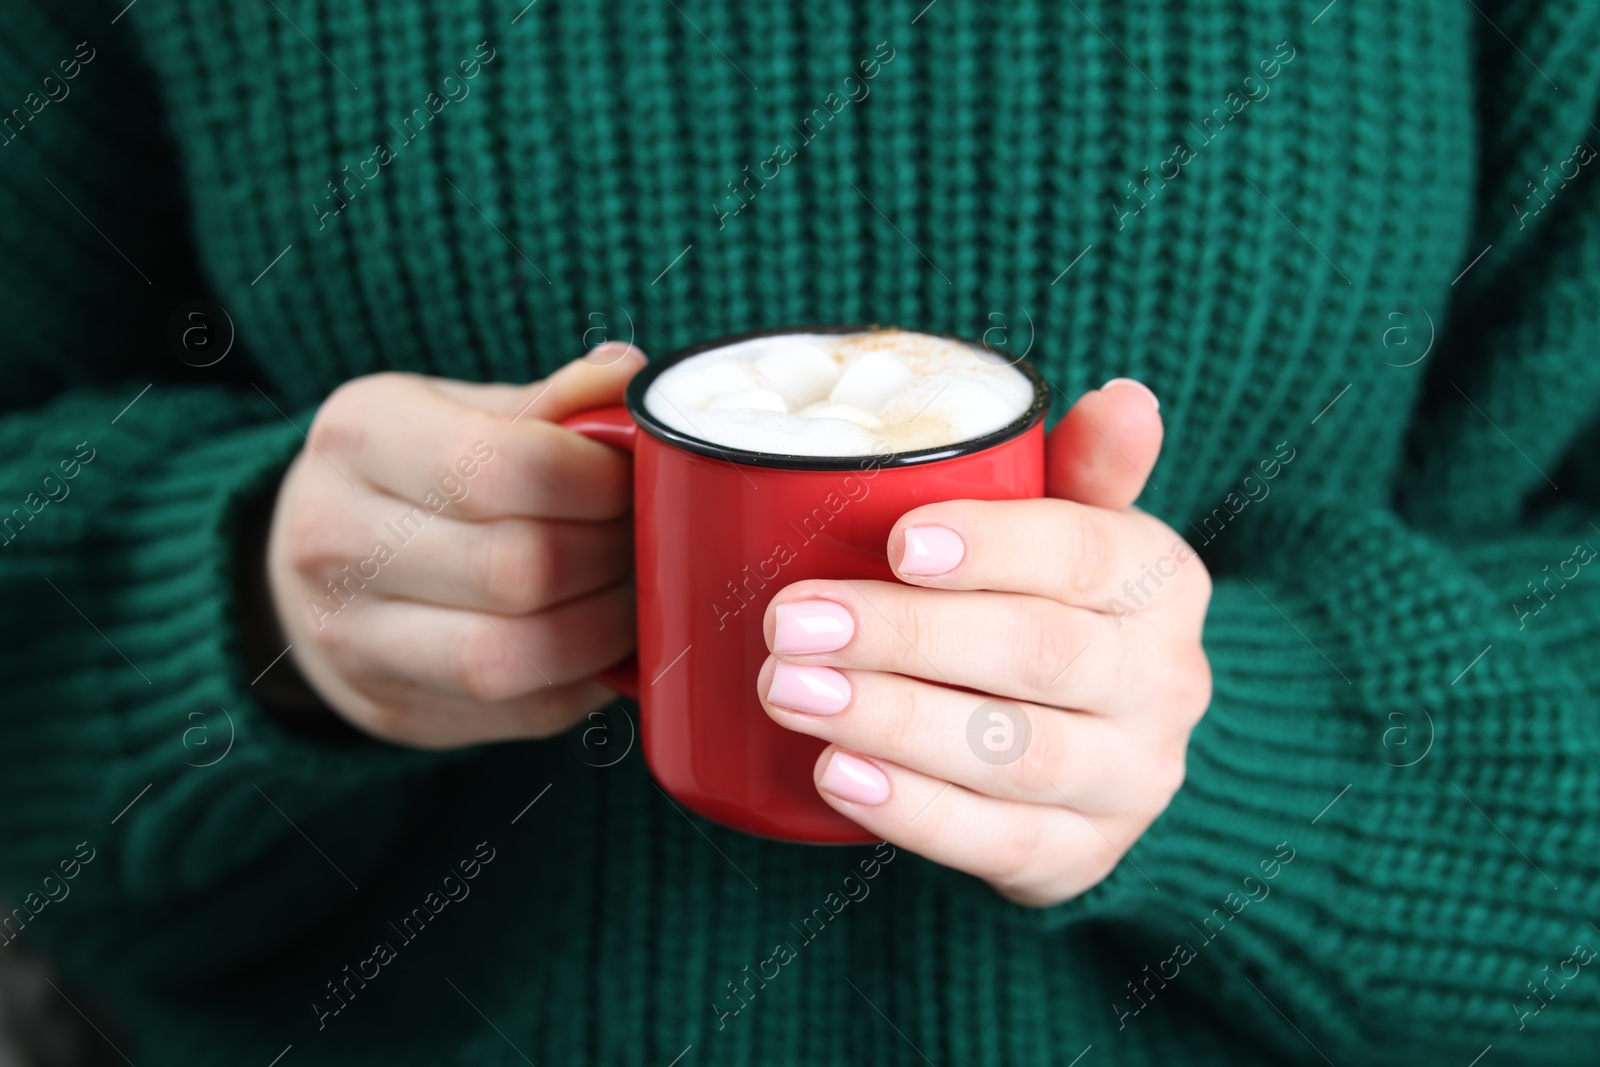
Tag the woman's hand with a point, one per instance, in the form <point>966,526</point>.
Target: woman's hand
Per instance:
<point>1024,714</point>
<point>448,565</point>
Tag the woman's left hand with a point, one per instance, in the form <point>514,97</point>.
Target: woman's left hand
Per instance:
<point>1024,715</point>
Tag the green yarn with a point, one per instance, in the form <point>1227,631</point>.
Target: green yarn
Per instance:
<point>1347,267</point>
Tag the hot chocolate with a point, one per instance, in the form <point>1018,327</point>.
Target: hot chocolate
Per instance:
<point>858,394</point>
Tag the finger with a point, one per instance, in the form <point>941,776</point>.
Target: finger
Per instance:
<point>1022,647</point>
<point>427,719</point>
<point>1102,450</point>
<point>514,566</point>
<point>1085,556</point>
<point>598,377</point>
<point>1030,852</point>
<point>488,658</point>
<point>442,454</point>
<point>1000,748</point>
<point>503,566</point>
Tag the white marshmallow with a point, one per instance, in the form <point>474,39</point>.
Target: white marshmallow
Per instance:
<point>954,406</point>
<point>869,380</point>
<point>801,371</point>
<point>695,384</point>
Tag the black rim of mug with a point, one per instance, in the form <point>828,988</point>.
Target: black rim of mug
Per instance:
<point>655,428</point>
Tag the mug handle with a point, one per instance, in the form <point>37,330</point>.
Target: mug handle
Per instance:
<point>615,427</point>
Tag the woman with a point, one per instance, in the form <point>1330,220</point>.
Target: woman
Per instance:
<point>272,270</point>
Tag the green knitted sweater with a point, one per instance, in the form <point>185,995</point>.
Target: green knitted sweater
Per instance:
<point>1357,246</point>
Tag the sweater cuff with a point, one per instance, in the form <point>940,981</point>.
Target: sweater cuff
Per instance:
<point>211,777</point>
<point>280,689</point>
<point>1263,764</point>
<point>1314,802</point>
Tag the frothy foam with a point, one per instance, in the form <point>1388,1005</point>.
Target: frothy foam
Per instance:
<point>857,394</point>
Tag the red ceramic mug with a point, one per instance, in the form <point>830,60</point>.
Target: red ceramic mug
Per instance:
<point>718,532</point>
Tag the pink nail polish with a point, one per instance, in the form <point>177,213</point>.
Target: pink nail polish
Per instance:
<point>816,690</point>
<point>1143,388</point>
<point>931,550</point>
<point>807,626</point>
<point>854,779</point>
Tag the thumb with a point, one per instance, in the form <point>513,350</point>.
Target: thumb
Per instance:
<point>1102,451</point>
<point>595,379</point>
<point>598,377</point>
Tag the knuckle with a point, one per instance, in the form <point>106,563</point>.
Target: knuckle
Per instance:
<point>1043,762</point>
<point>1100,859</point>
<point>1088,554</point>
<point>391,721</point>
<point>1199,585</point>
<point>914,634</point>
<point>931,823</point>
<point>330,638</point>
<point>1014,857</point>
<point>340,424</point>
<point>1202,580</point>
<point>559,711</point>
<point>310,541</point>
<point>476,493</point>
<point>498,489</point>
<point>1167,771</point>
<point>409,522</point>
<point>896,708</point>
<point>477,427</point>
<point>1046,643</point>
<point>1192,685</point>
<point>506,563</point>
<point>482,663</point>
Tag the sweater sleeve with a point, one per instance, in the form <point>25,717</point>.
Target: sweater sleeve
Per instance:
<point>133,750</point>
<point>1389,837</point>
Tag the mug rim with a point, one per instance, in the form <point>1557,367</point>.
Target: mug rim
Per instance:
<point>634,400</point>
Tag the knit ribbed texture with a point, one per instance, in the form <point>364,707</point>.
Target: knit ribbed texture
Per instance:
<point>1348,268</point>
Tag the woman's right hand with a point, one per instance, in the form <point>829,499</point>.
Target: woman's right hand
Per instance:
<point>448,565</point>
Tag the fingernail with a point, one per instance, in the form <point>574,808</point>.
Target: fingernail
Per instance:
<point>854,779</point>
<point>816,690</point>
<point>931,550</point>
<point>1143,388</point>
<point>812,626</point>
